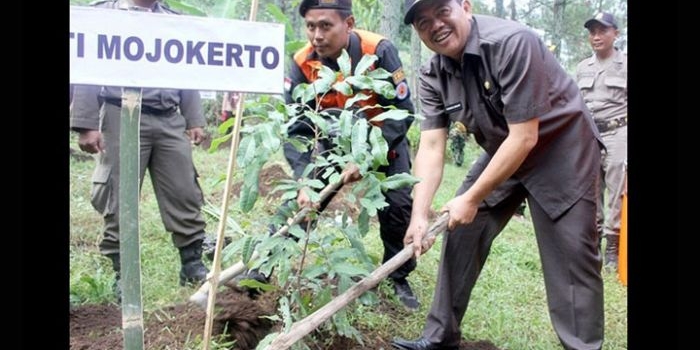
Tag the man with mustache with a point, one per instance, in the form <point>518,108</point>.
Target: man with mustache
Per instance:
<point>499,79</point>
<point>602,79</point>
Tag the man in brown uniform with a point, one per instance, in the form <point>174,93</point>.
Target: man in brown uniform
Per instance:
<point>602,79</point>
<point>171,120</point>
<point>499,79</point>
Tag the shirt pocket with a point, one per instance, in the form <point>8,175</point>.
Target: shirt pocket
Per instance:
<point>586,82</point>
<point>616,82</point>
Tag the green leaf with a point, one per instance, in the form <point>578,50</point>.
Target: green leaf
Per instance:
<point>314,271</point>
<point>344,63</point>
<point>249,190</point>
<point>326,78</point>
<point>313,195</point>
<point>358,97</point>
<point>248,249</point>
<point>379,74</point>
<point>365,63</point>
<point>384,88</point>
<point>360,82</point>
<point>363,222</point>
<point>342,254</point>
<point>225,125</point>
<point>304,92</point>
<point>349,269</point>
<point>269,139</point>
<point>247,150</point>
<point>185,8</point>
<point>343,87</point>
<point>393,114</point>
<point>397,181</point>
<point>286,313</point>
<point>255,284</point>
<point>379,148</point>
<point>315,183</point>
<point>218,141</point>
<point>359,139</point>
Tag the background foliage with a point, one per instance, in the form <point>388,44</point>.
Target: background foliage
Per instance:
<point>511,318</point>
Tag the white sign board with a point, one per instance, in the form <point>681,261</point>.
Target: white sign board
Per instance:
<point>155,50</point>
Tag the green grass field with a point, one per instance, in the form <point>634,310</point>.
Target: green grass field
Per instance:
<point>508,304</point>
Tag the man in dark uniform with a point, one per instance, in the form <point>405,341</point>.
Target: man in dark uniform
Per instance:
<point>499,79</point>
<point>330,27</point>
<point>171,120</point>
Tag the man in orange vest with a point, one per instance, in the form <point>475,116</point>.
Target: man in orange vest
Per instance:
<point>330,27</point>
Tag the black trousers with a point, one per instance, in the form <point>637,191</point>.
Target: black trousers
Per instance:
<point>570,262</point>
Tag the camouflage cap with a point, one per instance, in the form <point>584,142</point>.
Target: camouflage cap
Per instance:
<point>324,4</point>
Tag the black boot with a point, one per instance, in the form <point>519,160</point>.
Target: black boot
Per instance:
<point>116,265</point>
<point>612,250</point>
<point>404,292</point>
<point>193,270</point>
<point>209,246</point>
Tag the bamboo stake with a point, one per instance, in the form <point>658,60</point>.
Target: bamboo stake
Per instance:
<point>311,322</point>
<point>213,278</point>
<point>129,246</point>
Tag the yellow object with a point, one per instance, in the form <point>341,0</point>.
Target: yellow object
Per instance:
<point>622,257</point>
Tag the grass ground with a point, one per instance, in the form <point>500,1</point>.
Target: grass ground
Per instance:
<point>508,304</point>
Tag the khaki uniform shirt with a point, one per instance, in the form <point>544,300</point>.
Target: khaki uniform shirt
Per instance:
<point>508,75</point>
<point>604,89</point>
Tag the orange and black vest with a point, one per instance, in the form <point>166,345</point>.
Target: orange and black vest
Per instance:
<point>334,99</point>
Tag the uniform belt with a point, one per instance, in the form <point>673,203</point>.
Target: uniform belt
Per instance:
<point>144,109</point>
<point>610,124</point>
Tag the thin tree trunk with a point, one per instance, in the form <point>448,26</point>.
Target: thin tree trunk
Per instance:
<point>390,19</point>
<point>558,9</point>
<point>500,9</point>
<point>415,66</point>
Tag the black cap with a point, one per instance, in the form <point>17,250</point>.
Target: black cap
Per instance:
<point>324,4</point>
<point>603,18</point>
<point>410,10</point>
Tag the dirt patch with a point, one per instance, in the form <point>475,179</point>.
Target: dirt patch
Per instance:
<point>239,319</point>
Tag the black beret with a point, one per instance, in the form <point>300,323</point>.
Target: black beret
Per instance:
<point>324,4</point>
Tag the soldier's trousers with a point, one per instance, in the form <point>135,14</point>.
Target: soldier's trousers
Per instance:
<point>613,168</point>
<point>166,152</point>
